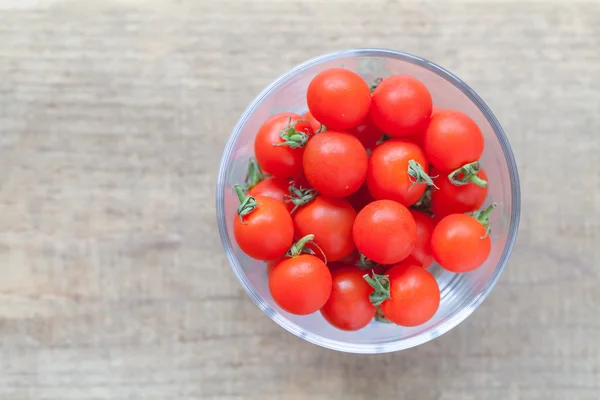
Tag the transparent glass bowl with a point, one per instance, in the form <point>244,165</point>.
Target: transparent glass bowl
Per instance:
<point>461,294</point>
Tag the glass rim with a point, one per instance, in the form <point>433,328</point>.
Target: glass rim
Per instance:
<point>443,327</point>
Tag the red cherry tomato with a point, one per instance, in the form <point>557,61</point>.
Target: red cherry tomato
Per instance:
<point>330,220</point>
<point>414,295</point>
<point>349,307</point>
<point>314,124</point>
<point>279,160</point>
<point>360,198</point>
<point>300,285</point>
<point>335,163</point>
<point>367,133</point>
<point>275,188</point>
<point>452,140</point>
<point>421,255</point>
<point>451,199</point>
<point>401,106</point>
<point>460,243</point>
<point>266,230</point>
<point>388,173</point>
<point>385,232</point>
<point>338,98</point>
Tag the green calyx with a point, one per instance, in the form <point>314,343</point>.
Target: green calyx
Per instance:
<point>375,83</point>
<point>379,317</point>
<point>247,203</point>
<point>292,137</point>
<point>381,286</point>
<point>254,175</point>
<point>321,129</point>
<point>365,264</point>
<point>418,174</point>
<point>424,203</point>
<point>300,248</point>
<point>384,138</point>
<point>467,174</point>
<point>299,196</point>
<point>483,217</point>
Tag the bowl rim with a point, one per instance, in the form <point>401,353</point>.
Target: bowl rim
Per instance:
<point>448,324</point>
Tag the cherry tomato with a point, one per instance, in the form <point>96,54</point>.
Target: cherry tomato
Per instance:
<point>349,307</point>
<point>385,232</point>
<point>335,163</point>
<point>360,198</point>
<point>460,243</point>
<point>414,295</point>
<point>421,255</point>
<point>300,285</point>
<point>338,98</point>
<point>263,227</point>
<point>367,133</point>
<point>314,124</point>
<point>279,144</point>
<point>388,173</point>
<point>275,188</point>
<point>452,140</point>
<point>330,220</point>
<point>401,106</point>
<point>451,199</point>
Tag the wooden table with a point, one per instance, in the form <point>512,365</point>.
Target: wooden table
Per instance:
<point>113,115</point>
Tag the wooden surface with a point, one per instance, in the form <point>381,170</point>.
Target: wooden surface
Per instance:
<point>113,115</point>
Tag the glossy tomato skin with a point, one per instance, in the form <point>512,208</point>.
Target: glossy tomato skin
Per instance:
<point>331,221</point>
<point>459,243</point>
<point>452,140</point>
<point>335,163</point>
<point>451,199</point>
<point>267,232</point>
<point>349,307</point>
<point>338,98</point>
<point>387,174</point>
<point>385,232</point>
<point>367,133</point>
<point>414,295</point>
<point>421,255</point>
<point>275,188</point>
<point>314,124</point>
<point>300,285</point>
<point>280,161</point>
<point>401,106</point>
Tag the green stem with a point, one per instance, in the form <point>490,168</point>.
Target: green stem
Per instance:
<point>254,175</point>
<point>299,248</point>
<point>247,203</point>
<point>381,286</point>
<point>364,263</point>
<point>467,174</point>
<point>416,171</point>
<point>292,137</point>
<point>483,216</point>
<point>299,196</point>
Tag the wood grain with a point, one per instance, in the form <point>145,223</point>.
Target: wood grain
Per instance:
<point>113,115</point>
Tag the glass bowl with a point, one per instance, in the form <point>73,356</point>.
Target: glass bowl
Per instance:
<point>461,294</point>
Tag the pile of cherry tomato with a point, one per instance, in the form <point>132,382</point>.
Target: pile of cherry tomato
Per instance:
<point>350,203</point>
